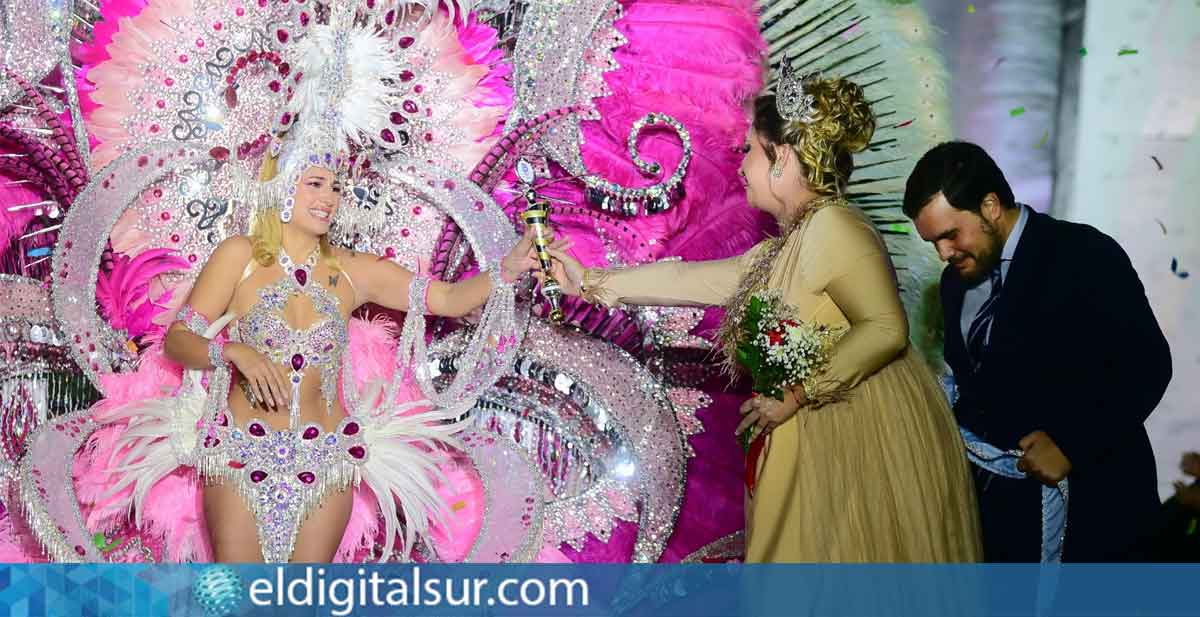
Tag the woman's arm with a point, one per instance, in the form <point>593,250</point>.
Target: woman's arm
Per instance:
<point>851,264</point>
<point>387,284</point>
<point>665,283</point>
<point>209,299</point>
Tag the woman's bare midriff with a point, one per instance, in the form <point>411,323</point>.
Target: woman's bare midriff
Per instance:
<point>312,406</point>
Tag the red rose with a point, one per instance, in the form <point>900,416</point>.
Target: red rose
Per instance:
<point>776,337</point>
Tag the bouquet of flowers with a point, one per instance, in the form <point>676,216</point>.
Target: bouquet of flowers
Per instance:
<point>778,350</point>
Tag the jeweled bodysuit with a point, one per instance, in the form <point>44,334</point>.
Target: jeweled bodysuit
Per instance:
<point>284,473</point>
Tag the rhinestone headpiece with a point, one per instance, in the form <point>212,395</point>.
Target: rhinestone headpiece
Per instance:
<point>791,101</point>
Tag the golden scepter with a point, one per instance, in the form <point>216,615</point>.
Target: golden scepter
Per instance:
<point>536,216</point>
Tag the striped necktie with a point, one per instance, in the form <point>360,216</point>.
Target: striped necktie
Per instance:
<point>977,334</point>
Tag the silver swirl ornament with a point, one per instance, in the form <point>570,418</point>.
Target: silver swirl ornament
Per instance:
<point>653,199</point>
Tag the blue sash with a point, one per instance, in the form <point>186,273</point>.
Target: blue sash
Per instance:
<point>1004,463</point>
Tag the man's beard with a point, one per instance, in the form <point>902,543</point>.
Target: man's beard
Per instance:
<point>988,257</point>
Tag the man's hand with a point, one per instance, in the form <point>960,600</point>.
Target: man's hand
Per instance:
<point>1043,460</point>
<point>1190,464</point>
<point>1188,496</point>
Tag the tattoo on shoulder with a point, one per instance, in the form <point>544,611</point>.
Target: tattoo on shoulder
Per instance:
<point>333,280</point>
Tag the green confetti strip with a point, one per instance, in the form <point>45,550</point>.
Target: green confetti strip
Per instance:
<point>971,9</point>
<point>1016,111</point>
<point>900,228</point>
<point>1043,140</point>
<point>1083,51</point>
<point>1125,51</point>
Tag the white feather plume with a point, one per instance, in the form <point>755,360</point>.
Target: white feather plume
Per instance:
<point>402,466</point>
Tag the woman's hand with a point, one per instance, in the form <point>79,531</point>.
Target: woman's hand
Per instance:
<point>520,259</point>
<point>523,256</point>
<point>567,270</point>
<point>766,413</point>
<point>265,378</point>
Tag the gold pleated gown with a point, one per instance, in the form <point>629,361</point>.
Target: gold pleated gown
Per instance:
<point>878,475</point>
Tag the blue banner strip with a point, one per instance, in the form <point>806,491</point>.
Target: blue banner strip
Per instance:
<point>593,590</point>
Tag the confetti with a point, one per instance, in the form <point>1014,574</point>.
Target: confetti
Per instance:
<point>971,9</point>
<point>1176,271</point>
<point>1083,51</point>
<point>1016,111</point>
<point>1160,224</point>
<point>1045,137</point>
<point>1126,51</point>
<point>903,124</point>
<point>1157,162</point>
<point>999,60</point>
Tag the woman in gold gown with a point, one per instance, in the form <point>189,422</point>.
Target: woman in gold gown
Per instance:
<point>865,463</point>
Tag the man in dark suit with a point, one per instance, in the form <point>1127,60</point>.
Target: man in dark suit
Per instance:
<point>1055,352</point>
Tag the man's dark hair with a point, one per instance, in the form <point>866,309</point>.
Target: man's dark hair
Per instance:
<point>962,172</point>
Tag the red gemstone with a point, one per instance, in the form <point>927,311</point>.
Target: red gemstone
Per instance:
<point>301,277</point>
<point>297,362</point>
<point>351,428</point>
<point>387,135</point>
<point>220,153</point>
<point>388,19</point>
<point>307,477</point>
<point>397,117</point>
<point>410,107</point>
<point>282,35</point>
<point>257,429</point>
<point>406,75</point>
<point>284,69</point>
<point>304,19</point>
<point>258,475</point>
<point>311,433</point>
<point>236,464</point>
<point>231,98</point>
<point>223,420</point>
<point>357,451</point>
<point>274,86</point>
<point>406,42</point>
<point>242,62</point>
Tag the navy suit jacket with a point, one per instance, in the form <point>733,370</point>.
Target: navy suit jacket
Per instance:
<point>1075,351</point>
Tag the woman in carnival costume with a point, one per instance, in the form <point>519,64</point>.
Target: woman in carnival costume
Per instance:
<point>855,456</point>
<point>272,451</point>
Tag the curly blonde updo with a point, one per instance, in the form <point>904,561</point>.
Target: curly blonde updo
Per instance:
<point>843,125</point>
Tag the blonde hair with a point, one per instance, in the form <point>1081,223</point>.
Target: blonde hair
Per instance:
<point>266,228</point>
<point>843,125</point>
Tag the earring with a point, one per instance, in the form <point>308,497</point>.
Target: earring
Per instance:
<point>285,213</point>
<point>777,171</point>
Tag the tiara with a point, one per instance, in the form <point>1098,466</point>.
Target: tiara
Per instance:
<point>790,99</point>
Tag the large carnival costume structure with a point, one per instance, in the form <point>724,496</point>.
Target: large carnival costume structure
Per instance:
<point>130,138</point>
